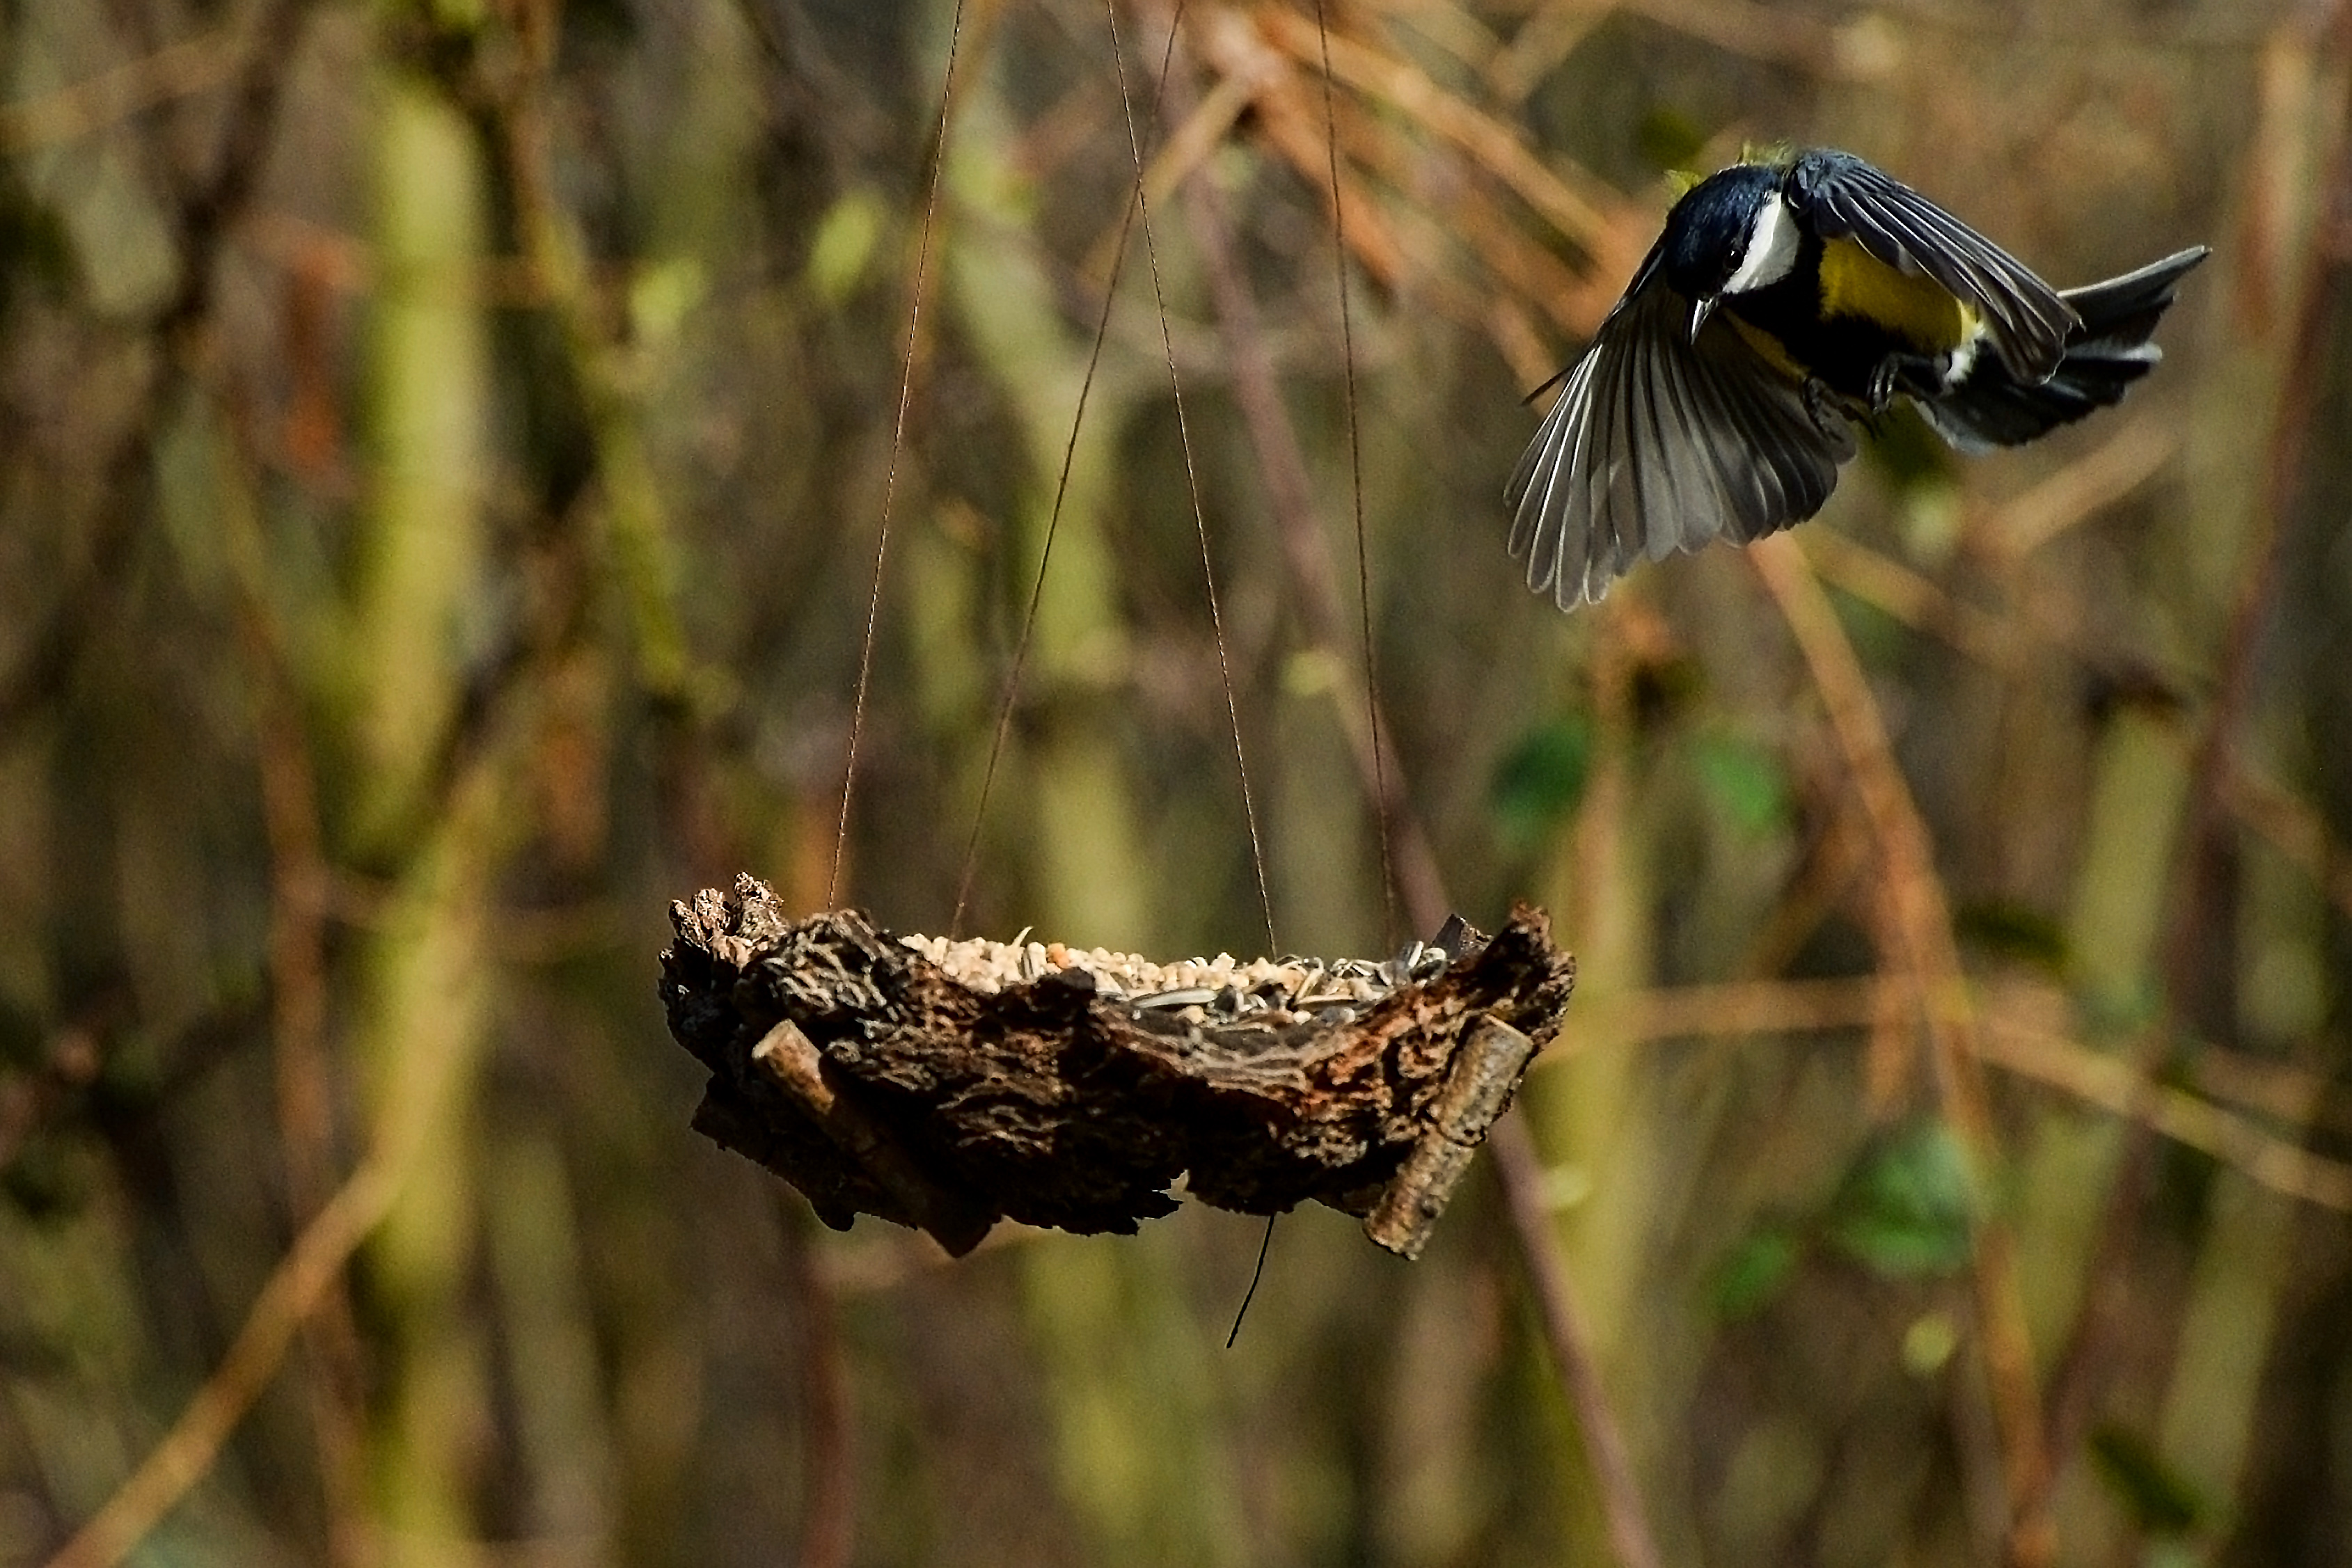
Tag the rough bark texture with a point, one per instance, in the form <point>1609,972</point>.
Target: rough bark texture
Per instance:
<point>876,1083</point>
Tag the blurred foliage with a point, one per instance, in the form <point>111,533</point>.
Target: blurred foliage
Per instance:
<point>1905,1207</point>
<point>445,449</point>
<point>1540,781</point>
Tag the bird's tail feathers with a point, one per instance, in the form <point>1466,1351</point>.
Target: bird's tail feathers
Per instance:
<point>2105,354</point>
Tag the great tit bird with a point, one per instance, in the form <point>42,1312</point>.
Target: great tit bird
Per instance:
<point>1785,301</point>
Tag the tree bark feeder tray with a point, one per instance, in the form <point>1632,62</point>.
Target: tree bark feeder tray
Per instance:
<point>949,1084</point>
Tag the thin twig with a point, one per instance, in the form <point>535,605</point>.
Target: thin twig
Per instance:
<point>1918,602</point>
<point>2108,474</point>
<point>2014,1039</point>
<point>1314,581</point>
<point>1929,960</point>
<point>298,1285</point>
<point>294,1289</point>
<point>299,878</point>
<point>1577,204</point>
<point>177,71</point>
<point>828,1467</point>
<point>2293,828</point>
<point>2112,1083</point>
<point>1522,1174</point>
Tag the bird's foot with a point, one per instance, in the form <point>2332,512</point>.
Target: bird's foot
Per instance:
<point>1915,374</point>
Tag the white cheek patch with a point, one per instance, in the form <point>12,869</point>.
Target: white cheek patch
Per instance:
<point>1771,248</point>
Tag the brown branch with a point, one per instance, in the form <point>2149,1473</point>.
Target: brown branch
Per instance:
<point>1307,554</point>
<point>2293,828</point>
<point>177,71</point>
<point>2113,1084</point>
<point>1917,600</point>
<point>1929,963</point>
<point>1768,33</point>
<point>294,1289</point>
<point>1578,205</point>
<point>1521,1171</point>
<point>411,1106</point>
<point>2085,1360</point>
<point>2016,1039</point>
<point>2279,1090</point>
<point>2081,490</point>
<point>299,879</point>
<point>29,1100</point>
<point>1751,1007</point>
<point>828,1473</point>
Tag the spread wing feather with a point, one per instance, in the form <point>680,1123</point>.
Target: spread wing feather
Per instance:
<point>1845,198</point>
<point>1658,444</point>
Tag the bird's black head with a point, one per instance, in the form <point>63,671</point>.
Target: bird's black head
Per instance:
<point>1731,232</point>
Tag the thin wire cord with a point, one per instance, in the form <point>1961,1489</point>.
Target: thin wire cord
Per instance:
<point>1265,1245</point>
<point>1052,527</point>
<point>897,443</point>
<point>1191,479</point>
<point>1356,478</point>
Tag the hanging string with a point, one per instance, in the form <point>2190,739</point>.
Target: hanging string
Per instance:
<point>1265,1245</point>
<point>1052,527</point>
<point>1191,479</point>
<point>898,443</point>
<point>1356,478</point>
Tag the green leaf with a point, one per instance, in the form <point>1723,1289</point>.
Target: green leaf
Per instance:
<point>1907,1207</point>
<point>2159,1499</point>
<point>1744,781</point>
<point>1754,1274</point>
<point>1540,781</point>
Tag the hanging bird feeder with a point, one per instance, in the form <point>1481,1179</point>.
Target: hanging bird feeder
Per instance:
<point>946,1085</point>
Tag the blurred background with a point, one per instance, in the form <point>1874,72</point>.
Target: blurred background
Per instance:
<point>446,454</point>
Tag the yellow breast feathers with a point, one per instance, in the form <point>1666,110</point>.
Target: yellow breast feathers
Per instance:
<point>1855,283</point>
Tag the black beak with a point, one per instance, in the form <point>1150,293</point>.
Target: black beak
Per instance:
<point>1700,310</point>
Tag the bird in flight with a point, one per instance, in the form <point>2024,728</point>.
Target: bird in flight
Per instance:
<point>1786,300</point>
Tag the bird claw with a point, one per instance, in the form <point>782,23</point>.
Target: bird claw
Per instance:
<point>1916,374</point>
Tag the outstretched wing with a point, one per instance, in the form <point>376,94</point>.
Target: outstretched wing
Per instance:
<point>1845,198</point>
<point>1658,444</point>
